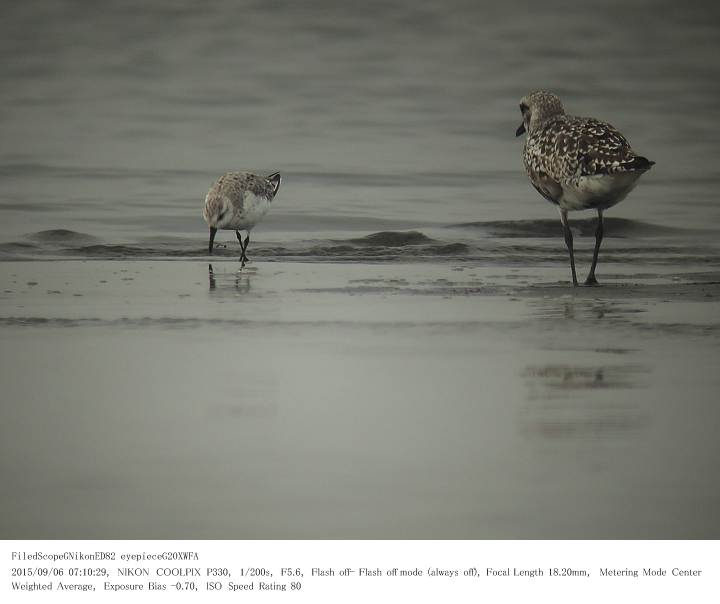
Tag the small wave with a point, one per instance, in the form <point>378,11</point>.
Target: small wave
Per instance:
<point>61,236</point>
<point>393,239</point>
<point>544,245</point>
<point>614,227</point>
<point>108,251</point>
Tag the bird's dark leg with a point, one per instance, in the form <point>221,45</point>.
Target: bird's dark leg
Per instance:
<point>591,280</point>
<point>213,230</point>
<point>569,243</point>
<point>243,246</point>
<point>244,255</point>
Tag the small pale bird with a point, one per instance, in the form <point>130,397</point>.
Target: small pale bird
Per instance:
<point>237,202</point>
<point>577,163</point>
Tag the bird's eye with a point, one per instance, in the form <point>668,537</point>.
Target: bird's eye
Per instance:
<point>523,107</point>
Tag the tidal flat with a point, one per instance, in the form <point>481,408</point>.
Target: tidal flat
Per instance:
<point>177,399</point>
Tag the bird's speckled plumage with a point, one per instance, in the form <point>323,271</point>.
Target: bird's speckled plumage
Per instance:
<point>237,202</point>
<point>235,184</point>
<point>576,162</point>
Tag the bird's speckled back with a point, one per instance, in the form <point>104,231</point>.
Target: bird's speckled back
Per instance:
<point>234,184</point>
<point>565,148</point>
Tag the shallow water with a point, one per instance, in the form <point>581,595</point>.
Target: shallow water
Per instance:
<point>382,117</point>
<point>403,357</point>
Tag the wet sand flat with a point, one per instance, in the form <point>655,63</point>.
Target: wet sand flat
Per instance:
<point>158,399</point>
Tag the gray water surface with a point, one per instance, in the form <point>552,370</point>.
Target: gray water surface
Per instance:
<point>117,117</point>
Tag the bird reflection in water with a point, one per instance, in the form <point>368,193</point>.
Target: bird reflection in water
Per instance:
<point>617,312</point>
<point>240,281</point>
<point>584,401</point>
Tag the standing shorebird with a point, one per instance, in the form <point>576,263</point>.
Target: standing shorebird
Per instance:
<point>237,202</point>
<point>577,163</point>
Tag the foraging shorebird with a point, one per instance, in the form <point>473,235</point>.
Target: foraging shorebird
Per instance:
<point>577,163</point>
<point>237,202</point>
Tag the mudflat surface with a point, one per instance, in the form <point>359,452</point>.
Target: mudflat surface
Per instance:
<point>156,399</point>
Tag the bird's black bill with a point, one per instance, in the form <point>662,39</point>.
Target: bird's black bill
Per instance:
<point>212,238</point>
<point>520,130</point>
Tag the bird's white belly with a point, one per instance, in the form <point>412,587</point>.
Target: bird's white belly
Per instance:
<point>597,192</point>
<point>253,210</point>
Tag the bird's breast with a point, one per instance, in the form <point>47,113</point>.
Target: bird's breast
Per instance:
<point>252,211</point>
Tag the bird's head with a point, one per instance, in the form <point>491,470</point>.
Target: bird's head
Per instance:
<point>536,108</point>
